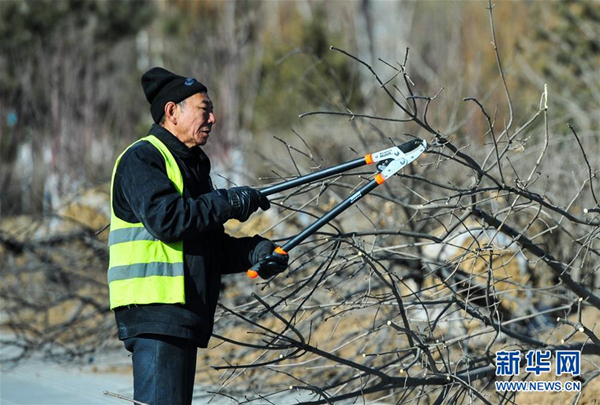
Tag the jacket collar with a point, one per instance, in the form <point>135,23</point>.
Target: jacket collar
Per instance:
<point>175,145</point>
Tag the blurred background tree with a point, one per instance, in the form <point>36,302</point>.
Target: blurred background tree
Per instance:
<point>71,73</point>
<point>565,53</point>
<point>71,99</point>
<point>66,73</point>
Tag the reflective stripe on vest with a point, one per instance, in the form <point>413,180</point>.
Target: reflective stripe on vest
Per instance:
<point>142,269</point>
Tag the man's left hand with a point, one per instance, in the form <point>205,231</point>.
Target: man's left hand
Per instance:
<point>245,201</point>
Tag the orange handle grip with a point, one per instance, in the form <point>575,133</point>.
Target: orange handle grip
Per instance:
<point>253,271</point>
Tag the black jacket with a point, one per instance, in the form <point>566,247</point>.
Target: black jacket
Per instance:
<point>144,193</point>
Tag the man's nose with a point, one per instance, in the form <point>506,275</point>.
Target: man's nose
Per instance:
<point>211,119</point>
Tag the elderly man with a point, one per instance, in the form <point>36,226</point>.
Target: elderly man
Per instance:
<point>167,244</point>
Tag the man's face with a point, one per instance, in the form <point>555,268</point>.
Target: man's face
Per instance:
<point>195,120</point>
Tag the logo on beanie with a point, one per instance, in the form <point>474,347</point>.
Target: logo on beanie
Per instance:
<point>189,81</point>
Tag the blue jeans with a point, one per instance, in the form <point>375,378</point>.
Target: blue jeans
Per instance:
<point>164,368</point>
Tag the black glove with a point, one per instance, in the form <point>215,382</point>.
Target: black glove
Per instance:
<point>245,201</point>
<point>270,262</point>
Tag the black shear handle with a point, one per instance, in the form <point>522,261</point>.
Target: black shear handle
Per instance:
<point>318,224</point>
<point>338,209</point>
<point>307,178</point>
<point>321,174</point>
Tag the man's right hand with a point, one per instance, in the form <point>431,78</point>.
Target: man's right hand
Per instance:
<point>269,260</point>
<point>245,201</point>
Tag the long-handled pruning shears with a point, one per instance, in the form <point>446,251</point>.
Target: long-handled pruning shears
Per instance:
<point>389,162</point>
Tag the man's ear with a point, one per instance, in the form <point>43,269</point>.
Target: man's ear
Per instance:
<point>171,112</point>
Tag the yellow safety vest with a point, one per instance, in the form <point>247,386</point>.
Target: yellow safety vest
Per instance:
<point>142,269</point>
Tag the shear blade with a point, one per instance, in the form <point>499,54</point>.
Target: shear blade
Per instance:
<point>410,146</point>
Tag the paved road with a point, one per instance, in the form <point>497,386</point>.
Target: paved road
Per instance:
<point>37,383</point>
<point>41,383</point>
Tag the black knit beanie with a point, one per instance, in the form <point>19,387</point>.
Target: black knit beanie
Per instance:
<point>162,86</point>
